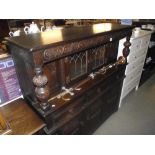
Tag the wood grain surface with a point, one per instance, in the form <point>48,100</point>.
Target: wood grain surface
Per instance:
<point>21,118</point>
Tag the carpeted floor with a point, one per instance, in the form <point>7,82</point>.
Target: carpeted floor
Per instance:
<point>136,115</point>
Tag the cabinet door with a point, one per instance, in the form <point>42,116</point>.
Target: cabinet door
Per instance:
<point>96,57</point>
<point>111,52</point>
<point>91,118</point>
<point>79,65</point>
<point>75,67</point>
<point>51,70</point>
<point>70,128</point>
<point>102,55</point>
<point>110,98</point>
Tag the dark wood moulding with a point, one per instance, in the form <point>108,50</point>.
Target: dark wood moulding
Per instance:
<point>59,67</point>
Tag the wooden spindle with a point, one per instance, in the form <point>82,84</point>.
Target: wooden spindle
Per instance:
<point>42,91</point>
<point>126,51</point>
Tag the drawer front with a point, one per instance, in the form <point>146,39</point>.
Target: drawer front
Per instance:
<point>145,41</point>
<point>136,72</point>
<point>71,128</point>
<point>94,110</point>
<point>140,43</point>
<point>136,54</point>
<point>133,65</point>
<point>132,84</point>
<point>136,44</point>
<point>67,112</point>
<point>93,92</point>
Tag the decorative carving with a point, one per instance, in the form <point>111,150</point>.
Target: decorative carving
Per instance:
<point>126,51</point>
<point>121,60</point>
<point>71,48</point>
<point>41,90</point>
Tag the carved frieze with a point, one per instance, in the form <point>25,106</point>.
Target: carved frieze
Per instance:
<point>73,47</point>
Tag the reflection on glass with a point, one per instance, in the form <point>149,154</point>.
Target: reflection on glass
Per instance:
<point>53,35</point>
<point>98,55</point>
<point>78,64</point>
<point>97,28</point>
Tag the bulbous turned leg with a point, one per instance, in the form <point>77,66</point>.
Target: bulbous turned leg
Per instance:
<point>42,91</point>
<point>126,51</point>
<point>121,60</point>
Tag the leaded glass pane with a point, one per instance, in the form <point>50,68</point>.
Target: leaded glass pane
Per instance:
<point>78,64</point>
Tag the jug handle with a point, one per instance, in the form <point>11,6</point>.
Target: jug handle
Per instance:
<point>26,29</point>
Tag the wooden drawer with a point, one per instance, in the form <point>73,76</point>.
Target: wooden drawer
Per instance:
<point>140,43</point>
<point>94,110</point>
<point>93,114</point>
<point>67,113</point>
<point>105,86</point>
<point>93,92</point>
<point>145,41</point>
<point>134,73</point>
<point>71,128</point>
<point>138,62</point>
<point>136,54</point>
<point>111,100</point>
<point>132,84</point>
<point>136,44</point>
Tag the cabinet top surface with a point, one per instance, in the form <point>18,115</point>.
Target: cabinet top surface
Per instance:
<point>140,34</point>
<point>41,40</point>
<point>21,118</point>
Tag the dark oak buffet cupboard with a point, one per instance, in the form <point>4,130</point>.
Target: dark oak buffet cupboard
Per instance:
<point>72,77</point>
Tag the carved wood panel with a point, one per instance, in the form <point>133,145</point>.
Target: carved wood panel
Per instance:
<point>52,71</point>
<point>60,51</point>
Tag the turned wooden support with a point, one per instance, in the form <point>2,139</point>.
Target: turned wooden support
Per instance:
<point>41,90</point>
<point>126,51</point>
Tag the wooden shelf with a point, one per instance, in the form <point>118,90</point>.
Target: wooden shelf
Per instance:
<point>21,118</point>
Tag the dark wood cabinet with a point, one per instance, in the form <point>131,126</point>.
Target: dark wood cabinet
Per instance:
<point>4,29</point>
<point>71,77</point>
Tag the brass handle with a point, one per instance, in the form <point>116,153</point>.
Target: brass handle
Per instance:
<point>103,72</point>
<point>68,91</point>
<point>66,99</point>
<point>78,89</point>
<point>71,93</point>
<point>121,60</point>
